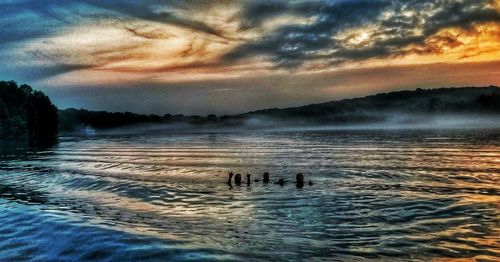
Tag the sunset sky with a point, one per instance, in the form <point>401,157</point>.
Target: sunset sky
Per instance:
<point>224,57</point>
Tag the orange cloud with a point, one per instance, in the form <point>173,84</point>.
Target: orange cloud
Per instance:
<point>481,42</point>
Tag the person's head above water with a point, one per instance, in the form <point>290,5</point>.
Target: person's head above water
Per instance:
<point>237,179</point>
<point>300,178</point>
<point>266,177</point>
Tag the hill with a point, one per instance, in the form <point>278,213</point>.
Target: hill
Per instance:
<point>394,106</point>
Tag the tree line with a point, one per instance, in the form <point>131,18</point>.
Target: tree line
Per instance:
<point>29,114</point>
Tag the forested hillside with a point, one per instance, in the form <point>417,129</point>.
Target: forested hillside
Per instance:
<point>25,113</point>
<point>380,107</point>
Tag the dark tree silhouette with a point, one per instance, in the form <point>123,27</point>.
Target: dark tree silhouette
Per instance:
<point>72,119</point>
<point>25,113</point>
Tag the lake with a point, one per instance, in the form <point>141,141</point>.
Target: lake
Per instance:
<point>384,195</point>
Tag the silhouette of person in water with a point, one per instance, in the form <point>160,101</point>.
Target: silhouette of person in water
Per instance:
<point>248,179</point>
<point>237,179</point>
<point>266,177</point>
<point>310,182</point>
<point>299,180</point>
<point>281,182</point>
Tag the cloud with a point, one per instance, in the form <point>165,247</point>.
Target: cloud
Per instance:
<point>341,30</point>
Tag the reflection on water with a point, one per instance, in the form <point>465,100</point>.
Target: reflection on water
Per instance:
<point>383,195</point>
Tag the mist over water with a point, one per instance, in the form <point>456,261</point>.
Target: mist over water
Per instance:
<point>387,121</point>
<point>381,194</point>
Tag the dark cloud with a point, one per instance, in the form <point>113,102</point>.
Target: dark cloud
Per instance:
<point>290,45</point>
<point>23,20</point>
<point>255,12</point>
<point>399,23</point>
<point>148,10</point>
<point>147,33</point>
<point>38,72</point>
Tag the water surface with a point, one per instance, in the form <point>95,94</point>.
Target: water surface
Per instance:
<point>385,195</point>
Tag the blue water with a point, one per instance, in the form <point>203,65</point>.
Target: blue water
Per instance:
<point>384,195</point>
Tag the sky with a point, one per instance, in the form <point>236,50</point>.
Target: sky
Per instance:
<point>227,57</point>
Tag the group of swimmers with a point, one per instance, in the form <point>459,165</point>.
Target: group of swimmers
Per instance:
<point>237,180</point>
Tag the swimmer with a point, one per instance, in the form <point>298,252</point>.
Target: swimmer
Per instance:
<point>237,179</point>
<point>300,180</point>
<point>266,177</point>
